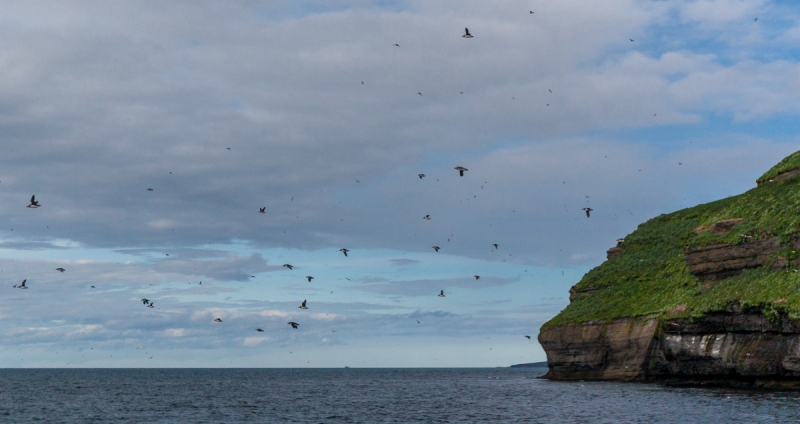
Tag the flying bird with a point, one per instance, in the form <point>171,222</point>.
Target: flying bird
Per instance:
<point>461,170</point>
<point>34,202</point>
<point>419,93</point>
<point>145,301</point>
<point>287,266</point>
<point>530,12</point>
<point>477,277</point>
<point>528,337</point>
<point>397,45</point>
<point>151,305</point>
<point>631,40</point>
<point>495,245</point>
<point>309,278</point>
<point>217,320</point>
<point>421,176</point>
<point>756,20</point>
<point>620,240</point>
<point>293,324</point>
<point>428,217</point>
<point>344,251</point>
<point>441,294</point>
<point>149,189</point>
<point>587,211</point>
<point>60,269</point>
<point>262,210</point>
<point>227,148</point>
<point>258,330</point>
<point>21,286</point>
<point>303,306</point>
<point>436,248</point>
<point>467,35</point>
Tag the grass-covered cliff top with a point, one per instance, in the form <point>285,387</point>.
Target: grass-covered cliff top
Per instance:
<point>788,163</point>
<point>651,276</point>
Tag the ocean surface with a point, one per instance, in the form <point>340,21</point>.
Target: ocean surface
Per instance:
<point>501,395</point>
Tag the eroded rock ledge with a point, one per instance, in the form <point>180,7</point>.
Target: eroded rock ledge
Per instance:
<point>735,347</point>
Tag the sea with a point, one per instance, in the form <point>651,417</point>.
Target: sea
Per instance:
<point>440,395</point>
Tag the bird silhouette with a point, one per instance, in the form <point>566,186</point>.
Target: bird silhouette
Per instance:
<point>477,277</point>
<point>217,320</point>
<point>34,204</point>
<point>461,170</point>
<point>258,330</point>
<point>60,269</point>
<point>22,285</point>
<point>467,34</point>
<point>436,248</point>
<point>427,217</point>
<point>587,211</point>
<point>303,305</point>
<point>421,176</point>
<point>293,324</point>
<point>287,266</point>
<point>441,294</point>
<point>344,251</point>
<point>262,210</point>
<point>309,278</point>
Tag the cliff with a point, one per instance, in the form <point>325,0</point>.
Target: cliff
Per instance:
<point>705,295</point>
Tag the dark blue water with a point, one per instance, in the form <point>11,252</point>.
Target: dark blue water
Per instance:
<point>367,396</point>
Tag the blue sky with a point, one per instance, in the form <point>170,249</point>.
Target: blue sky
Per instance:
<point>328,124</point>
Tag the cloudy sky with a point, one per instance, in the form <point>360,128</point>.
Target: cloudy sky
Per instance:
<point>311,110</point>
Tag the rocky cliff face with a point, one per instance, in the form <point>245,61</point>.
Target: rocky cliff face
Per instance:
<point>667,305</point>
<point>735,348</point>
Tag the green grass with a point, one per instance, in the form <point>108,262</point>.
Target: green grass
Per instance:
<point>787,164</point>
<point>651,276</point>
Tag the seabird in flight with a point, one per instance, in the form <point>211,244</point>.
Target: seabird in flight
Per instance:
<point>477,277</point>
<point>461,170</point>
<point>287,266</point>
<point>60,269</point>
<point>303,306</point>
<point>259,330</point>
<point>428,217</point>
<point>467,35</point>
<point>421,176</point>
<point>293,324</point>
<point>21,286</point>
<point>495,245</point>
<point>262,210</point>
<point>344,251</point>
<point>151,305</point>
<point>530,12</point>
<point>309,278</point>
<point>441,294</point>
<point>587,211</point>
<point>620,240</point>
<point>436,248</point>
<point>149,189</point>
<point>397,45</point>
<point>217,320</point>
<point>528,337</point>
<point>34,202</point>
<point>145,301</point>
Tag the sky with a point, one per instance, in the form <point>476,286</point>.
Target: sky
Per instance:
<point>324,114</point>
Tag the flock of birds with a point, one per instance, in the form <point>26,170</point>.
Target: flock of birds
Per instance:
<point>461,170</point>
<point>150,304</point>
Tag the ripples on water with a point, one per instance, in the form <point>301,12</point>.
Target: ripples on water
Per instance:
<point>367,396</point>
